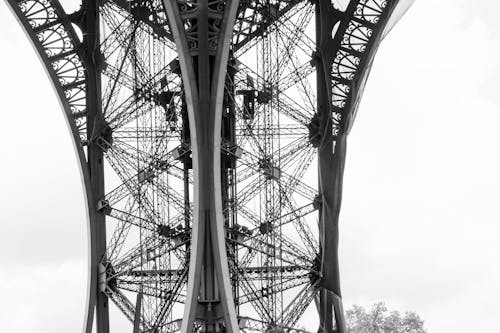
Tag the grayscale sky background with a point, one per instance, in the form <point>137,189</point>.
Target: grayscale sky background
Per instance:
<point>420,220</point>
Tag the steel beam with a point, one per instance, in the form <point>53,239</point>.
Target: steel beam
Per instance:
<point>95,164</point>
<point>343,63</point>
<point>203,64</point>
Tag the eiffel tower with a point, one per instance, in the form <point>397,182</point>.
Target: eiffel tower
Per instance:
<point>211,137</point>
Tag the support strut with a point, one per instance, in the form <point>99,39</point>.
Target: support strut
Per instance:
<point>95,125</point>
<point>203,64</point>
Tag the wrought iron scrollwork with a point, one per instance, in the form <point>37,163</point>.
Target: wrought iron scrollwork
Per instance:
<point>351,60</point>
<point>52,33</point>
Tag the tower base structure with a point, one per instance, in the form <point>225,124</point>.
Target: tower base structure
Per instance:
<point>211,137</point>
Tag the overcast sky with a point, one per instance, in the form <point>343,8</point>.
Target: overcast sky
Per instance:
<point>420,218</point>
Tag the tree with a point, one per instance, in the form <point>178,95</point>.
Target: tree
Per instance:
<point>379,320</point>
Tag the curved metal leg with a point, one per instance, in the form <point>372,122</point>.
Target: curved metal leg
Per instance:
<point>342,73</point>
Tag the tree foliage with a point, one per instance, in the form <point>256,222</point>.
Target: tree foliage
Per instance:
<point>378,319</point>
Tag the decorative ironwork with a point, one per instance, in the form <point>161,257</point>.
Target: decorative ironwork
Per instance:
<point>59,47</point>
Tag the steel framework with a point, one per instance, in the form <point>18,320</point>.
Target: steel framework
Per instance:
<point>211,136</point>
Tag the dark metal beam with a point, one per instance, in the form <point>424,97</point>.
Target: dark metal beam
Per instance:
<point>95,124</point>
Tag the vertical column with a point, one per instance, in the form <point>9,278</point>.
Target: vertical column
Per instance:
<point>95,123</point>
<point>344,61</point>
<point>331,158</point>
<point>202,31</point>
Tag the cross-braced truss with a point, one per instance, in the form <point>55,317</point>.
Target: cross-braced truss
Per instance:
<point>282,84</point>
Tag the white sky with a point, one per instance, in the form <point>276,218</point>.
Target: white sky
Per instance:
<point>420,219</point>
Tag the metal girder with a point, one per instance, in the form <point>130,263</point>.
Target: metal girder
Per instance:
<point>206,157</point>
<point>203,55</point>
<point>149,13</point>
<point>347,41</point>
<point>255,17</point>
